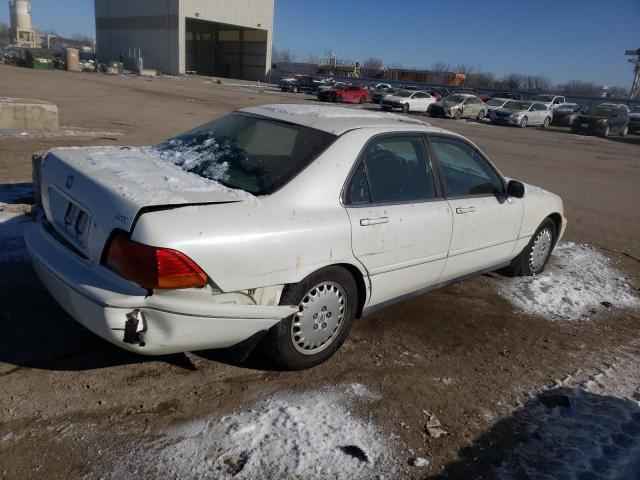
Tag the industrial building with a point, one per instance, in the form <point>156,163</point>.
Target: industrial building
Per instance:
<point>22,32</point>
<point>223,38</point>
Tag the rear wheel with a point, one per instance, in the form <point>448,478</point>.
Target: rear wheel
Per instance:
<point>624,131</point>
<point>327,301</point>
<point>338,98</point>
<point>363,99</point>
<point>480,114</point>
<point>457,114</point>
<point>295,89</point>
<point>607,131</point>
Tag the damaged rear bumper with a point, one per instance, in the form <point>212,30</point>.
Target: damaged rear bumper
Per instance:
<point>165,322</point>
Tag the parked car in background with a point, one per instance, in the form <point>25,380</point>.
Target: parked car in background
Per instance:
<point>472,91</point>
<point>634,120</point>
<point>347,94</point>
<point>435,94</point>
<point>408,101</point>
<point>336,85</point>
<point>494,103</point>
<point>298,83</point>
<point>566,114</point>
<point>523,113</point>
<point>604,119</point>
<point>509,95</point>
<point>459,105</point>
<point>159,267</point>
<point>382,87</point>
<point>442,91</point>
<point>378,95</point>
<point>551,101</point>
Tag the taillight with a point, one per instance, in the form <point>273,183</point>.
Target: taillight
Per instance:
<point>153,267</point>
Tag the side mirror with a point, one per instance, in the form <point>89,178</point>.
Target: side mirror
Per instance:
<point>515,189</point>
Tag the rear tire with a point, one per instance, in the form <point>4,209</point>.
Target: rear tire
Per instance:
<point>295,89</point>
<point>457,115</point>
<point>327,300</point>
<point>524,122</point>
<point>607,131</point>
<point>481,115</point>
<point>363,100</point>
<point>624,131</point>
<point>338,98</point>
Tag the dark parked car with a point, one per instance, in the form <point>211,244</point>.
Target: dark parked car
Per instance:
<point>379,94</point>
<point>298,83</point>
<point>634,120</point>
<point>566,115</point>
<point>509,95</point>
<point>605,119</point>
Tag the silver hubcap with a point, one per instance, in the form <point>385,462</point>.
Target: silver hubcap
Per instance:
<point>540,250</point>
<point>320,318</point>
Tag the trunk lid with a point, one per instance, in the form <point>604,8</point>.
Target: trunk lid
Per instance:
<point>86,193</point>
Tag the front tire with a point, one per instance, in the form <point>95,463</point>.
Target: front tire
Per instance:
<point>327,301</point>
<point>295,89</point>
<point>607,131</point>
<point>533,259</point>
<point>546,123</point>
<point>524,122</point>
<point>457,115</point>
<point>624,131</point>
<point>405,108</point>
<point>338,98</point>
<point>363,100</point>
<point>481,115</point>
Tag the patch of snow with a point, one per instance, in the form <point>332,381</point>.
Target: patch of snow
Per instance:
<point>576,281</point>
<point>309,435</point>
<point>13,223</point>
<point>419,462</point>
<point>335,112</point>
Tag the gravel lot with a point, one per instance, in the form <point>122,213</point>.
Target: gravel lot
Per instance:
<point>493,375</point>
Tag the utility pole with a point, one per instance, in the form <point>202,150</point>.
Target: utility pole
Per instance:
<point>635,87</point>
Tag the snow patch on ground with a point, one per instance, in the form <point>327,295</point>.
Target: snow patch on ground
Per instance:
<point>13,223</point>
<point>310,435</point>
<point>594,435</point>
<point>578,278</point>
<point>62,132</point>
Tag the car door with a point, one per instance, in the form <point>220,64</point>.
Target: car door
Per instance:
<point>486,222</point>
<point>471,107</point>
<point>352,92</point>
<point>400,223</point>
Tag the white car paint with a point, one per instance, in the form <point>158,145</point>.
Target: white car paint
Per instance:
<point>251,247</point>
<point>417,101</point>
<point>552,102</point>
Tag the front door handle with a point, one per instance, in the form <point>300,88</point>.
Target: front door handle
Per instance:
<point>366,222</point>
<point>461,210</point>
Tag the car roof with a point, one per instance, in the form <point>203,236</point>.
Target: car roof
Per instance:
<point>336,120</point>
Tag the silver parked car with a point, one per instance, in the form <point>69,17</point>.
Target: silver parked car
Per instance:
<point>459,105</point>
<point>523,113</point>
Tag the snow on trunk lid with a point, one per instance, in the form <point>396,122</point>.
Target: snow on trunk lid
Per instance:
<point>89,192</point>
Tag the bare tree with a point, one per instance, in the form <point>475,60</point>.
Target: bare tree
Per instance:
<point>5,34</point>
<point>536,83</point>
<point>372,63</point>
<point>618,92</point>
<point>285,55</point>
<point>579,87</point>
<point>397,66</point>
<point>312,58</point>
<point>441,67</point>
<point>465,69</point>
<point>481,79</point>
<point>512,81</point>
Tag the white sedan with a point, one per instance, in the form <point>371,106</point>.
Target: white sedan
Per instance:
<point>277,224</point>
<point>408,101</point>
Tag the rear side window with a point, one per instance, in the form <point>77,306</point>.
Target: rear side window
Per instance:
<point>395,170</point>
<point>465,170</point>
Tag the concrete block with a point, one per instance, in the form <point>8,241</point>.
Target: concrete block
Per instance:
<point>28,114</point>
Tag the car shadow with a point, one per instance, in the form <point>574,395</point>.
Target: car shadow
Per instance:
<point>561,433</point>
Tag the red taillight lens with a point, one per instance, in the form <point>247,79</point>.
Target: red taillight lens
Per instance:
<point>153,267</point>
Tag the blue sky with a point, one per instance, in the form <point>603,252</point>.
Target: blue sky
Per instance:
<point>561,39</point>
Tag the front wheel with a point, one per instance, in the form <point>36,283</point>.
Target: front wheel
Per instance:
<point>480,114</point>
<point>363,100</point>
<point>624,131</point>
<point>338,98</point>
<point>533,259</point>
<point>457,114</point>
<point>405,108</point>
<point>607,131</point>
<point>327,301</point>
<point>524,122</point>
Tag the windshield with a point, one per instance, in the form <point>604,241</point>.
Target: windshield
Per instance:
<point>601,111</point>
<point>495,102</point>
<point>568,108</point>
<point>403,94</point>
<point>246,152</point>
<point>517,105</point>
<point>455,98</point>
<point>543,98</point>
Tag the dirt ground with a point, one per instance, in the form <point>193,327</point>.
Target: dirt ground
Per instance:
<point>74,406</point>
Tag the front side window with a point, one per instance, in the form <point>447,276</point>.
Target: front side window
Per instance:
<point>251,153</point>
<point>396,169</point>
<point>465,170</point>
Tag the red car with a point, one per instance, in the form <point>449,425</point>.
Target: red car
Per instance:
<point>346,94</point>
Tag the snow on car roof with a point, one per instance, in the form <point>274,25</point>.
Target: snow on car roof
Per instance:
<point>337,120</point>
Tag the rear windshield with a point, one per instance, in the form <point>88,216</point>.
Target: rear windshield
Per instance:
<point>494,102</point>
<point>247,152</point>
<point>602,111</point>
<point>543,98</point>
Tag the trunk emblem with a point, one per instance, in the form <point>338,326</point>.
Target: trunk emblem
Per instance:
<point>69,183</point>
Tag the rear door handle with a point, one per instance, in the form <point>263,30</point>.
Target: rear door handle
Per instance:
<point>463,210</point>
<point>366,222</point>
